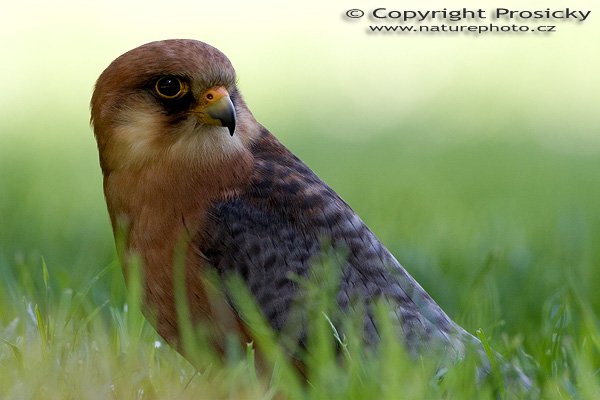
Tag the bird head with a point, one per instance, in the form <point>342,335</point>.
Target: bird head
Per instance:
<point>169,100</point>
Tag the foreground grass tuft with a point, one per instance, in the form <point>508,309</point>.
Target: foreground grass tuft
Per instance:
<point>76,349</point>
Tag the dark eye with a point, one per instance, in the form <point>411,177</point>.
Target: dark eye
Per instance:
<point>170,87</point>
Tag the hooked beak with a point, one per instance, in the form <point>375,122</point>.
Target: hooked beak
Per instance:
<point>216,108</point>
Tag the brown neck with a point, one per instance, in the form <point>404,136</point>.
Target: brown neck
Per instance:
<point>162,204</point>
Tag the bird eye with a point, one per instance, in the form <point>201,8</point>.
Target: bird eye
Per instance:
<point>170,87</point>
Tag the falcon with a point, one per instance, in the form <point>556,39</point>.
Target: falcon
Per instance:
<point>186,166</point>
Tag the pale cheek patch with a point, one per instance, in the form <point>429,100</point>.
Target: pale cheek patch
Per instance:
<point>204,144</point>
<point>137,139</point>
<point>143,138</point>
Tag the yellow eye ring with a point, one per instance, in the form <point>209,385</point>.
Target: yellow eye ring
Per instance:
<point>170,87</point>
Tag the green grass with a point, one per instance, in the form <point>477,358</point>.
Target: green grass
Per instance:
<point>503,234</point>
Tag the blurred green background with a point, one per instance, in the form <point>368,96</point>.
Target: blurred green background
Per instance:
<point>476,159</point>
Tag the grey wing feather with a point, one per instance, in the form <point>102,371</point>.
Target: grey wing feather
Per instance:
<point>264,251</point>
<point>275,230</point>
